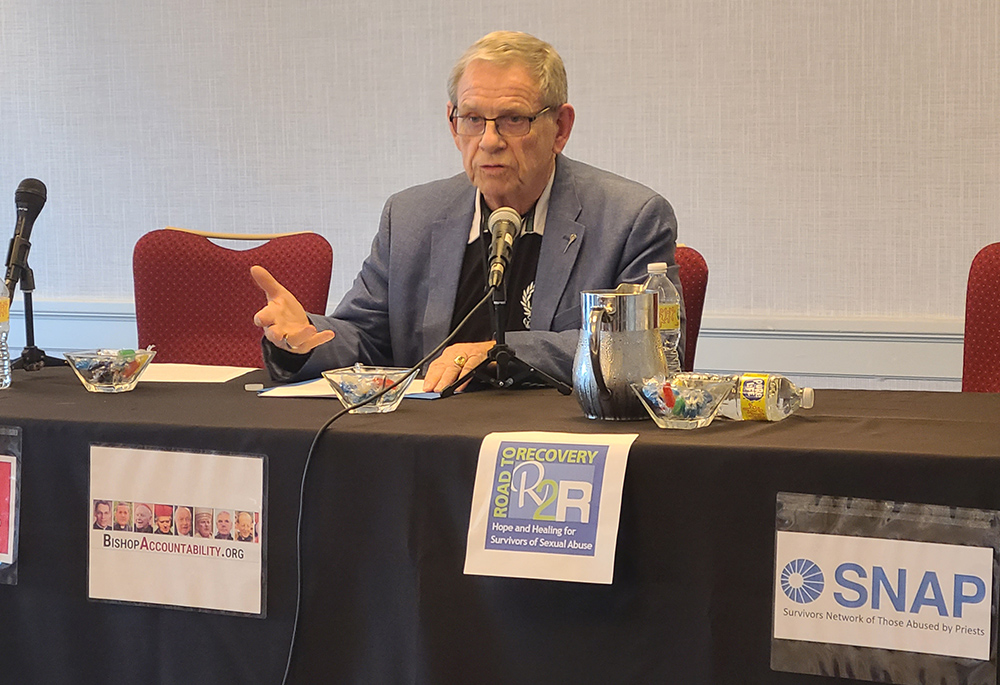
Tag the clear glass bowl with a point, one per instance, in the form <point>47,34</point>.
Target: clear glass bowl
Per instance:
<point>357,383</point>
<point>686,400</point>
<point>109,370</point>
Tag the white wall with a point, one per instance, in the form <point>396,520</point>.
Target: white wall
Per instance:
<point>834,160</point>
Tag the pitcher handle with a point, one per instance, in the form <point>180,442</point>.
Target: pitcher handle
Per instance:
<point>594,324</point>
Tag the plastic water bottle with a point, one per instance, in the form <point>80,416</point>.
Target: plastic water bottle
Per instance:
<point>4,330</point>
<point>765,397</point>
<point>668,313</point>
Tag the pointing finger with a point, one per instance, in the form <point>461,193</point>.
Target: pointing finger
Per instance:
<point>266,282</point>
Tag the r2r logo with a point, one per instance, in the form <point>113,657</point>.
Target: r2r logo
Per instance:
<point>528,482</point>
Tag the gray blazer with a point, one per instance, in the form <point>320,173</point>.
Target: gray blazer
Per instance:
<point>601,230</point>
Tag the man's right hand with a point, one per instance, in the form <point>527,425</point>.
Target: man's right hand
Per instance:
<point>283,318</point>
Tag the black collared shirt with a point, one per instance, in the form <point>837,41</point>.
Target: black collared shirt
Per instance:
<point>519,279</point>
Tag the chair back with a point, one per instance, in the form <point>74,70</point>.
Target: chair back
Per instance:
<point>195,300</point>
<point>694,281</point>
<point>981,348</point>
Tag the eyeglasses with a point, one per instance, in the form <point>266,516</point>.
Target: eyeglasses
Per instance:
<point>508,125</point>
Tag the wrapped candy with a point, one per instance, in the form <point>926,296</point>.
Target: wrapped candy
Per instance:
<point>109,370</point>
<point>355,384</point>
<point>676,399</point>
<point>109,366</point>
<point>684,400</point>
<point>360,385</point>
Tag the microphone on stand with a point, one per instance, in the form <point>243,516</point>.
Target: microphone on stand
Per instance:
<point>505,225</point>
<point>29,198</point>
<point>502,368</point>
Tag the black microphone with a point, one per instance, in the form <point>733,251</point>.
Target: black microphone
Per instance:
<point>504,224</point>
<point>29,198</point>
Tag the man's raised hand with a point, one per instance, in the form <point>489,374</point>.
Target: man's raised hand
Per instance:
<point>283,318</point>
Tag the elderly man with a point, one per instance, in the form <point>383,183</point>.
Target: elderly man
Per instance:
<point>182,521</point>
<point>164,519</point>
<point>583,229</point>
<point>203,522</point>
<point>244,526</point>
<point>143,518</point>
<point>224,524</point>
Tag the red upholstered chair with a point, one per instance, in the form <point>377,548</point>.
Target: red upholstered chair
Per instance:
<point>195,300</point>
<point>981,364</point>
<point>694,281</point>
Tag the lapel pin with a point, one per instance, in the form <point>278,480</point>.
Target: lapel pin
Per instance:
<point>569,241</point>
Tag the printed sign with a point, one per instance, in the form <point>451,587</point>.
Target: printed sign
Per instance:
<point>546,505</point>
<point>177,528</point>
<point>8,492</point>
<point>902,595</point>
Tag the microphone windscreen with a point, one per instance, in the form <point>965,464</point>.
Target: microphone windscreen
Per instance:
<point>505,214</point>
<point>30,193</point>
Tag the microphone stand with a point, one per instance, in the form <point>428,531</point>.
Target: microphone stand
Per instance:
<point>32,358</point>
<point>508,370</point>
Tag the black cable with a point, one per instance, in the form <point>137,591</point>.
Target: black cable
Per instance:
<point>312,447</point>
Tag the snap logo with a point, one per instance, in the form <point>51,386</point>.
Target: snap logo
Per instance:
<point>802,581</point>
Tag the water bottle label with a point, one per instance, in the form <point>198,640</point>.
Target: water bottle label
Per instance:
<point>753,396</point>
<point>4,310</point>
<point>670,316</point>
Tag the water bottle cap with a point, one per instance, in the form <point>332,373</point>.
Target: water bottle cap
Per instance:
<point>808,396</point>
<point>656,267</point>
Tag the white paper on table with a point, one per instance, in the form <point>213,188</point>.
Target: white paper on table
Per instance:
<point>191,373</point>
<point>320,387</point>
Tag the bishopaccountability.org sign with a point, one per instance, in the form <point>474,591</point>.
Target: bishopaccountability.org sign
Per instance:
<point>179,529</point>
<point>924,597</point>
<point>546,505</point>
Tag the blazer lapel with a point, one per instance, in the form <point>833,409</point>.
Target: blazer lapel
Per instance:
<point>449,236</point>
<point>560,248</point>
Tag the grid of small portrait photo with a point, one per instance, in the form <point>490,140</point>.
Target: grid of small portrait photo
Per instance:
<point>238,525</point>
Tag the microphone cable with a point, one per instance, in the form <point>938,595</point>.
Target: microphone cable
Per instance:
<point>312,448</point>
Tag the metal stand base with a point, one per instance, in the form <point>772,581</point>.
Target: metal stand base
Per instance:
<point>507,372</point>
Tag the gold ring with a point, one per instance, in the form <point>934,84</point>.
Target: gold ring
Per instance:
<point>286,343</point>
<point>460,360</point>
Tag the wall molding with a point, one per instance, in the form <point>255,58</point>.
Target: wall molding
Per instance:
<point>891,353</point>
<point>64,326</point>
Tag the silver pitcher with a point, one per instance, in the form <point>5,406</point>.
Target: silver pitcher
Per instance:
<point>619,344</point>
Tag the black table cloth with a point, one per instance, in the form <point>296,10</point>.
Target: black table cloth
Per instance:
<point>385,519</point>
